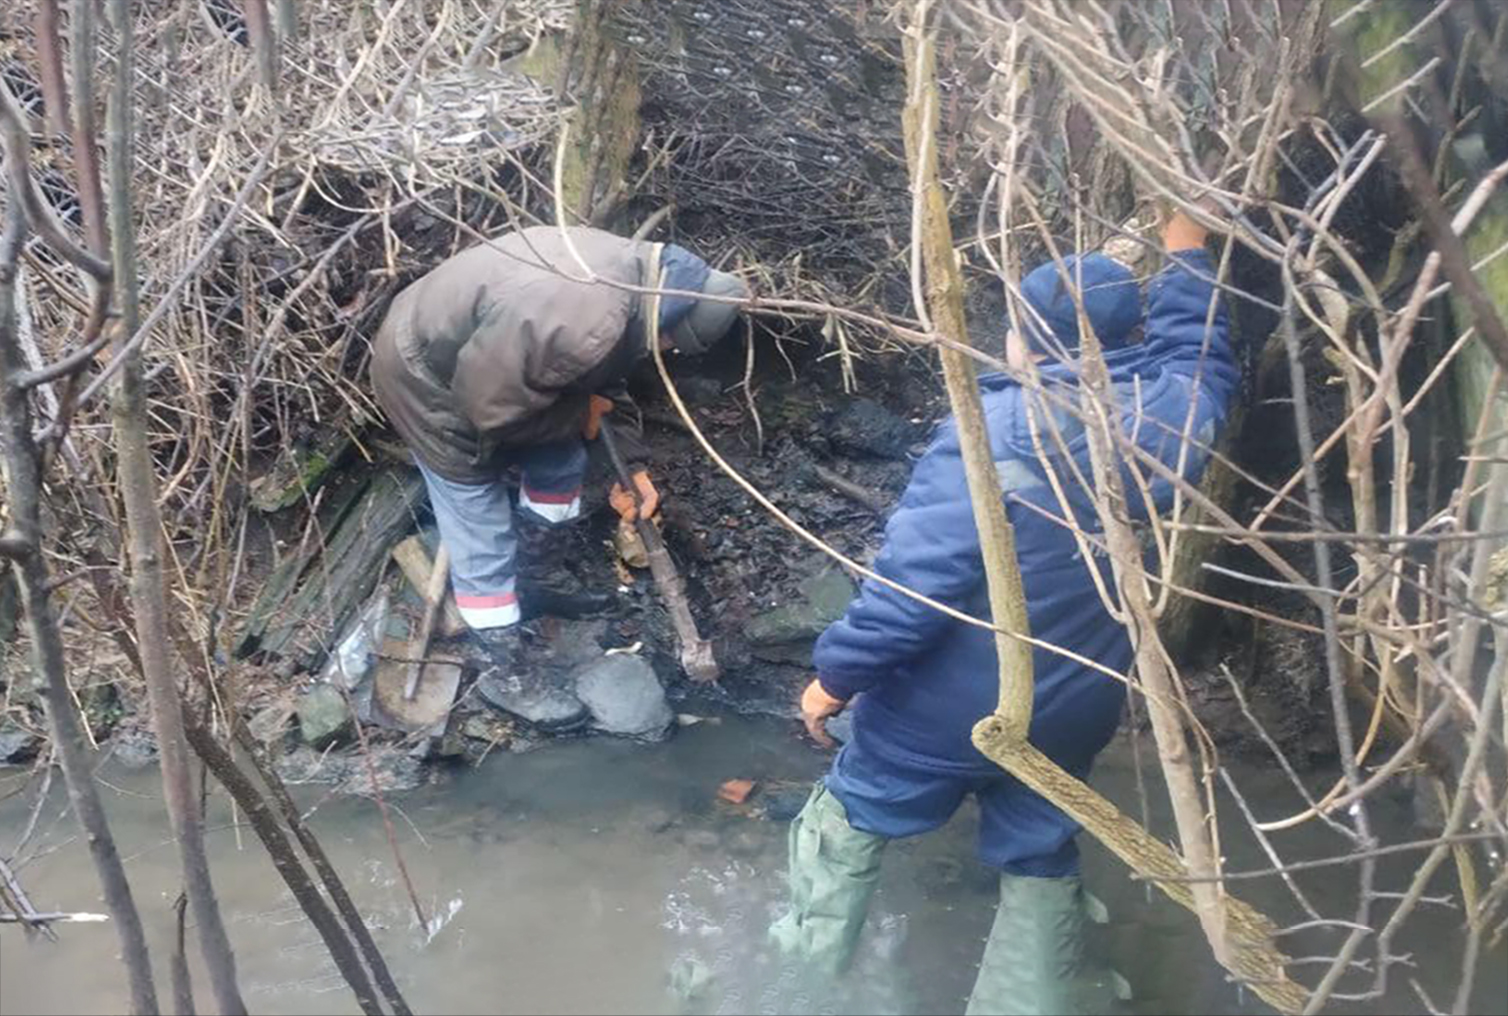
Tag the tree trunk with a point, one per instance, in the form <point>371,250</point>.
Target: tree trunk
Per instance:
<point>328,877</point>
<point>23,487</point>
<point>138,484</point>
<point>285,860</point>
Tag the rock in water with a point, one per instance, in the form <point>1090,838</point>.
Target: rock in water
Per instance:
<point>347,772</point>
<point>625,698</point>
<point>17,744</point>
<point>270,723</point>
<point>323,718</point>
<point>786,633</point>
<point>865,427</point>
<point>134,748</point>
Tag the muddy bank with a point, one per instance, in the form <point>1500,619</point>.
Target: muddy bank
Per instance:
<point>833,459</point>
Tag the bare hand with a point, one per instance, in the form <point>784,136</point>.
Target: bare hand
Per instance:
<point>817,707</point>
<point>1183,233</point>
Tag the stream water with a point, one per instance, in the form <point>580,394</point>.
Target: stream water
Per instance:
<point>603,876</point>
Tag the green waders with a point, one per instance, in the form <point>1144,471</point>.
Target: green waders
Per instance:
<point>1034,958</point>
<point>834,869</point>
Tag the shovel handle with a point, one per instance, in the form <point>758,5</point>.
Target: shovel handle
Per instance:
<point>605,431</point>
<point>434,595</point>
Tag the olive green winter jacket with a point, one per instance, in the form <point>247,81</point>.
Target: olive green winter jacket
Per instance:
<point>502,345</point>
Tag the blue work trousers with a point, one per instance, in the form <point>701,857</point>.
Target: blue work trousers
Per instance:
<point>476,526</point>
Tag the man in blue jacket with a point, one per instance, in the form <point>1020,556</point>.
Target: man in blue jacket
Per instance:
<point>920,680</point>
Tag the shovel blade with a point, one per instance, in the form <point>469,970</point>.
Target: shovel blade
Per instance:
<point>432,699</point>
<point>699,662</point>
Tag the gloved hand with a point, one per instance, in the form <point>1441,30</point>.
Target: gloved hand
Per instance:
<point>623,502</point>
<point>597,407</point>
<point>817,707</point>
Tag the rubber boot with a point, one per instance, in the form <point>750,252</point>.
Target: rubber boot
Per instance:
<point>1034,958</point>
<point>834,870</point>
<point>571,601</point>
<point>508,686</point>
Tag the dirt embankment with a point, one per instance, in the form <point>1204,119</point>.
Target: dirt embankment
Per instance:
<point>833,459</point>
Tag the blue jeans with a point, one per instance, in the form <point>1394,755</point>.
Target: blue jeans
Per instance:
<point>1020,833</point>
<point>476,526</point>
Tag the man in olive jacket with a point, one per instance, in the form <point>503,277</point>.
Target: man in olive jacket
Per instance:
<point>510,353</point>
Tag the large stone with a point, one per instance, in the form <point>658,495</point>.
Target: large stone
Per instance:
<point>865,427</point>
<point>347,772</point>
<point>323,717</point>
<point>487,727</point>
<point>17,744</point>
<point>102,707</point>
<point>625,698</point>
<point>134,748</point>
<point>785,633</point>
<point>569,645</point>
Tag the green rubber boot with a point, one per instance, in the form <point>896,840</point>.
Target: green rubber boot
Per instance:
<point>1034,959</point>
<point>834,869</point>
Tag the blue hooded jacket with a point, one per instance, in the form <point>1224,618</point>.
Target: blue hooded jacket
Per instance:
<point>926,678</point>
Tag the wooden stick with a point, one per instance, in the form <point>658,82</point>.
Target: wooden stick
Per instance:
<point>855,492</point>
<point>434,596</point>
<point>414,560</point>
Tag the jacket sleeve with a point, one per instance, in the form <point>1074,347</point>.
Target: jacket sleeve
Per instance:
<point>932,546</point>
<point>628,427</point>
<point>1178,309</point>
<point>1192,389</point>
<point>560,420</point>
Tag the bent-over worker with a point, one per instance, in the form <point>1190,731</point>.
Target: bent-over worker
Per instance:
<point>920,680</point>
<point>509,354</point>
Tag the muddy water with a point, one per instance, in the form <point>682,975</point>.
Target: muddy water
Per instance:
<point>599,876</point>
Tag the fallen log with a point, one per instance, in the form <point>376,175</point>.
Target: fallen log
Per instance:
<point>298,472</point>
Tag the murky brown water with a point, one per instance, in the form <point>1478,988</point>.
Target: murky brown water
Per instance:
<point>599,876</point>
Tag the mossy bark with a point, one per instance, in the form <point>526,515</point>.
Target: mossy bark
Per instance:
<point>600,77</point>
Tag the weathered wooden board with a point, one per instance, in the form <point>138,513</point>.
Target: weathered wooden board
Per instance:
<point>309,600</point>
<point>414,559</point>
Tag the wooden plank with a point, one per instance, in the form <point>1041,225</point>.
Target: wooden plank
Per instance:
<point>436,695</point>
<point>298,472</point>
<point>337,578</point>
<point>417,566</point>
<point>285,579</point>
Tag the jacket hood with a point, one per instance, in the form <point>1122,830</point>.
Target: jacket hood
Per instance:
<point>1112,301</point>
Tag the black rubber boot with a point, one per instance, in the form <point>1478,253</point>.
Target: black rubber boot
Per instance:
<point>572,602</point>
<point>508,686</point>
